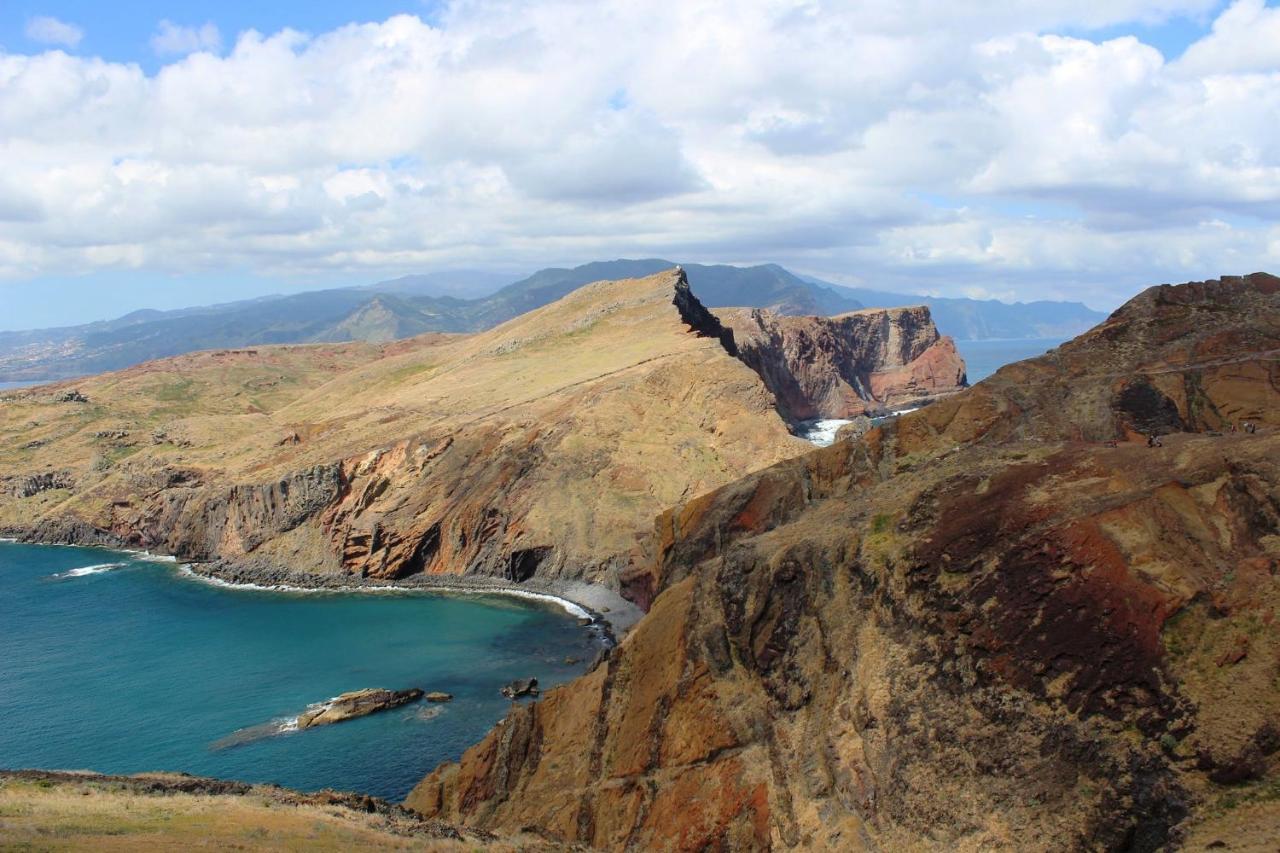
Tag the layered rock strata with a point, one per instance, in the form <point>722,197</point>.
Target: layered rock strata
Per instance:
<point>1000,622</point>
<point>864,362</point>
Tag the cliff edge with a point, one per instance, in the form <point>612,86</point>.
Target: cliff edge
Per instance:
<point>1004,621</point>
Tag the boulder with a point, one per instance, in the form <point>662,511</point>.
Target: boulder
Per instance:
<point>358,703</point>
<point>521,687</point>
<point>438,696</point>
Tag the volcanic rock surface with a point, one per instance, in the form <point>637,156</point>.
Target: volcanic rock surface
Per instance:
<point>541,448</point>
<point>999,622</point>
<point>871,361</point>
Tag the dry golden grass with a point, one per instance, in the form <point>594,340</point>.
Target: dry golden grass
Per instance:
<point>111,814</point>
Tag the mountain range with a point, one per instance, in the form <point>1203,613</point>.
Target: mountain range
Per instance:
<point>413,305</point>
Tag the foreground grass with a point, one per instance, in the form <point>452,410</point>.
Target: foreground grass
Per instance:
<point>60,811</point>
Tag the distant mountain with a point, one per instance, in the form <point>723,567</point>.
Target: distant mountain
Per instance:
<point>717,286</point>
<point>984,319</point>
<point>415,304</point>
<point>468,284</point>
<point>384,311</point>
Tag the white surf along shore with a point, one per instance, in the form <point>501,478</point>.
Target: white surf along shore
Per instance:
<point>570,607</point>
<point>580,599</point>
<point>822,431</point>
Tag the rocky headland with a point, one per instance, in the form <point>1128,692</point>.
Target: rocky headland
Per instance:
<point>537,451</point>
<point>1003,621</point>
<point>864,362</point>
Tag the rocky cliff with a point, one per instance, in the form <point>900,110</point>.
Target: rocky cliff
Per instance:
<point>1003,621</point>
<point>864,362</point>
<point>540,448</point>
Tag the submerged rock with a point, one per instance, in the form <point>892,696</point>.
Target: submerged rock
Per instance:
<point>358,703</point>
<point>521,687</point>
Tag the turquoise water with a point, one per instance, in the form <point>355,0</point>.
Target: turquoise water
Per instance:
<point>140,668</point>
<point>983,358</point>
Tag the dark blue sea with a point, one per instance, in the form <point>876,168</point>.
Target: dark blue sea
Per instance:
<point>983,358</point>
<point>120,664</point>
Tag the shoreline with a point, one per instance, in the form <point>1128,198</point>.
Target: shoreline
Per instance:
<point>599,606</point>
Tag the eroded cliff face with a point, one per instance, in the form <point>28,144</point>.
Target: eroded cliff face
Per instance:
<point>865,362</point>
<point>992,623</point>
<point>540,448</point>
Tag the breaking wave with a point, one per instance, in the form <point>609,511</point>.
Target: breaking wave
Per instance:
<point>88,570</point>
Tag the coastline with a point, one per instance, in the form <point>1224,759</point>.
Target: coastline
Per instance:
<point>601,607</point>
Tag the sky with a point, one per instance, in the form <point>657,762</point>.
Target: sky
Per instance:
<point>161,154</point>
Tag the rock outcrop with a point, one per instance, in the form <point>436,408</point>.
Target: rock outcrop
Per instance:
<point>864,362</point>
<point>34,484</point>
<point>521,687</point>
<point>357,703</point>
<point>993,623</point>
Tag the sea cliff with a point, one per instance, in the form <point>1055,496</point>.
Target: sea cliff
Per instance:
<point>1002,621</point>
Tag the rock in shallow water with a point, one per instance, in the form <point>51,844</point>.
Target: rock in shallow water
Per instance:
<point>521,687</point>
<point>358,703</point>
<point>438,696</point>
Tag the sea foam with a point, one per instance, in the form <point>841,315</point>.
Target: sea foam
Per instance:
<point>88,570</point>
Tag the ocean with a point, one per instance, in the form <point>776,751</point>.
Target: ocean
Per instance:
<point>121,664</point>
<point>983,358</point>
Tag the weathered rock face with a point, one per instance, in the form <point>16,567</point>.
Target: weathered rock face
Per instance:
<point>990,624</point>
<point>357,703</point>
<point>543,447</point>
<point>34,484</point>
<point>870,361</point>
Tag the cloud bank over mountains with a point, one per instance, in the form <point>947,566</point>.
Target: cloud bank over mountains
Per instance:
<point>971,151</point>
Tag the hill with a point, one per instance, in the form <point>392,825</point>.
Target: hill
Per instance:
<point>1001,622</point>
<point>387,311</point>
<point>541,448</point>
<point>413,305</point>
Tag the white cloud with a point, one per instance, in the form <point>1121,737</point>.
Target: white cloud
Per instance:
<point>1245,37</point>
<point>171,39</point>
<point>953,145</point>
<point>47,30</point>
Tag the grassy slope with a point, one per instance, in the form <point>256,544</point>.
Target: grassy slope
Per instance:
<point>57,811</point>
